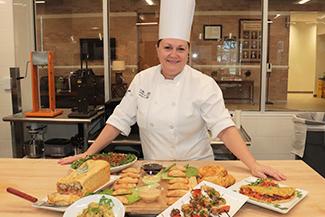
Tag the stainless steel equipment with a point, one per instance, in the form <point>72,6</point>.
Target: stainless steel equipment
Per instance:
<point>58,147</point>
<point>35,146</point>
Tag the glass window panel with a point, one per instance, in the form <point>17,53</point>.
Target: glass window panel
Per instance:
<point>296,52</point>
<point>69,28</point>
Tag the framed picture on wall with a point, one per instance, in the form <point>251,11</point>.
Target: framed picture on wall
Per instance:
<point>212,32</point>
<point>250,37</point>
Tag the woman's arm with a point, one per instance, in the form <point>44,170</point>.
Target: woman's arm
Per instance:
<point>106,136</point>
<point>232,139</point>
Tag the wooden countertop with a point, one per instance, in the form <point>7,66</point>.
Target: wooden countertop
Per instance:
<point>38,177</point>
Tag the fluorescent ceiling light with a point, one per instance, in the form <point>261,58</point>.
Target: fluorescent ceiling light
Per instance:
<point>149,2</point>
<point>40,2</point>
<point>303,1</point>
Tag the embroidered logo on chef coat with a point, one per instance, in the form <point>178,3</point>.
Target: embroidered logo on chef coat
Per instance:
<point>144,94</point>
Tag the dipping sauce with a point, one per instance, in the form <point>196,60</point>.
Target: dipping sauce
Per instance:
<point>152,168</point>
<point>149,194</point>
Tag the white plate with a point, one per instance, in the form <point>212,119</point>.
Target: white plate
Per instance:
<point>281,207</point>
<point>233,199</point>
<point>77,207</point>
<point>122,167</point>
<point>43,204</point>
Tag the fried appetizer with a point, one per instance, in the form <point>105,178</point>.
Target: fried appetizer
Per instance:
<point>212,170</point>
<point>178,167</point>
<point>176,173</point>
<point>58,199</point>
<point>131,170</point>
<point>123,185</point>
<point>127,180</point>
<point>224,181</point>
<point>87,178</point>
<point>121,191</point>
<point>178,186</point>
<point>132,175</point>
<point>176,193</point>
<point>178,180</point>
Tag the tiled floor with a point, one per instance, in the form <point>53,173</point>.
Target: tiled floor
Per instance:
<point>295,102</point>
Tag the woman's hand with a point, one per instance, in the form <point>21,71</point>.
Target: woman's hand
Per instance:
<point>262,171</point>
<point>71,159</point>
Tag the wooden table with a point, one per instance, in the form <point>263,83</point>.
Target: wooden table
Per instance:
<point>38,177</point>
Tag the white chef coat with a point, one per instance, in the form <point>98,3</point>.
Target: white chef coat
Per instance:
<point>175,116</point>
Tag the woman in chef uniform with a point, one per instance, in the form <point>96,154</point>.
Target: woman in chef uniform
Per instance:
<point>177,108</point>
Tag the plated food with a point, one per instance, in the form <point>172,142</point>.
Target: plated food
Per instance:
<point>266,190</point>
<point>269,194</point>
<point>117,161</point>
<point>102,208</point>
<point>206,199</point>
<point>96,205</point>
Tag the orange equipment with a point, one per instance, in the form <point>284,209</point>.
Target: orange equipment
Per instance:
<point>42,59</point>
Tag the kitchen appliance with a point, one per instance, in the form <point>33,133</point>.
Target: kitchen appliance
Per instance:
<point>42,59</point>
<point>85,84</point>
<point>58,147</point>
<point>34,147</point>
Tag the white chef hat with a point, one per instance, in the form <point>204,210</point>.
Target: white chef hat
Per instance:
<point>176,17</point>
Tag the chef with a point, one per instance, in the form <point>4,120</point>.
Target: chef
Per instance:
<point>178,109</point>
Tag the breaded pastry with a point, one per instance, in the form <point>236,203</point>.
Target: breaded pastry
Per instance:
<point>121,191</point>
<point>192,182</point>
<point>132,175</point>
<point>212,170</point>
<point>123,185</point>
<point>225,181</point>
<point>178,167</point>
<point>127,180</point>
<point>178,180</point>
<point>131,170</point>
<point>178,186</point>
<point>176,173</point>
<point>176,193</point>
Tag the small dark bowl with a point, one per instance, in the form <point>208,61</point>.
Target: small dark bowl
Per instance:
<point>152,168</point>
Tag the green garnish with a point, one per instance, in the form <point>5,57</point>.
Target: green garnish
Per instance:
<point>299,194</point>
<point>105,201</point>
<point>134,197</point>
<point>191,171</point>
<point>280,207</point>
<point>257,182</point>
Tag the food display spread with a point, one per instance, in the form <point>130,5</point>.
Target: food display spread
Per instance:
<point>162,186</point>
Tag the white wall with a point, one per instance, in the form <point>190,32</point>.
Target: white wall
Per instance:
<point>7,59</point>
<point>302,53</point>
<point>16,41</point>
<point>272,134</point>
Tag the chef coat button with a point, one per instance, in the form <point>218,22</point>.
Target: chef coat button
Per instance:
<point>173,103</point>
<point>171,127</point>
